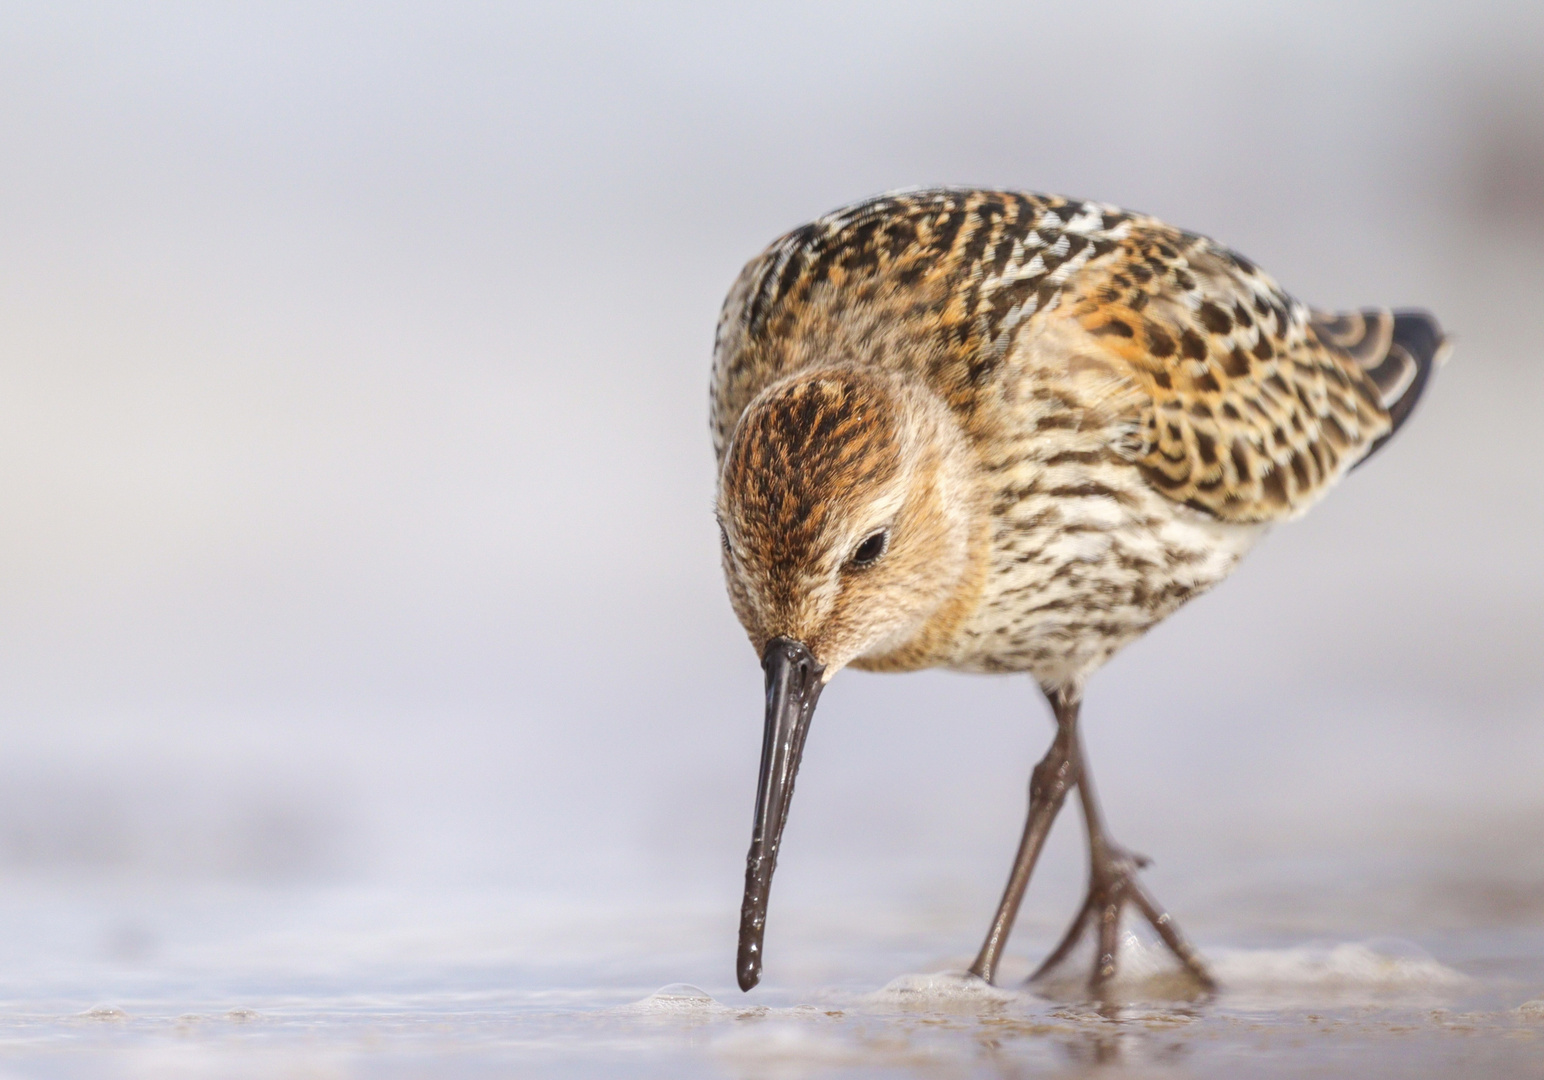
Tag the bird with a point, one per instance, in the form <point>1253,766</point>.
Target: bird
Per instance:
<point>1008,432</point>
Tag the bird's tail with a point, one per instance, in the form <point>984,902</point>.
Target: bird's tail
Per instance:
<point>1397,349</point>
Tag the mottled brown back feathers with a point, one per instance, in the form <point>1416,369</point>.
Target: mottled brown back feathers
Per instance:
<point>1253,404</point>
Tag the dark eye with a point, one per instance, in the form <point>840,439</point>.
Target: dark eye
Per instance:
<point>872,548</point>
<point>723,538</point>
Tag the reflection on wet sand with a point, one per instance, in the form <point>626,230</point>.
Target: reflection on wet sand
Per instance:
<point>1278,1009</point>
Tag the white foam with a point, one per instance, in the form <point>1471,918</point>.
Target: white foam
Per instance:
<point>1355,966</point>
<point>1369,971</point>
<point>1531,1010</point>
<point>941,990</point>
<point>679,999</point>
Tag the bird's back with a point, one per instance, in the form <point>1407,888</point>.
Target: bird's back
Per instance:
<point>1142,399</point>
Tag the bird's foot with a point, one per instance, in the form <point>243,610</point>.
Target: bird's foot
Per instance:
<point>1112,887</point>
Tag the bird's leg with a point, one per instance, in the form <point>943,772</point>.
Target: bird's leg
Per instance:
<point>1048,786</point>
<point>1112,884</point>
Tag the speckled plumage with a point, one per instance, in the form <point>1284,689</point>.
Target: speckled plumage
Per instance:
<point>1004,432</point>
<point>1140,400</point>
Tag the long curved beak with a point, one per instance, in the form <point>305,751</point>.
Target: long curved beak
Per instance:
<point>793,687</point>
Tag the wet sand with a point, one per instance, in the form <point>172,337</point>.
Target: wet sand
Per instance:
<point>352,982</point>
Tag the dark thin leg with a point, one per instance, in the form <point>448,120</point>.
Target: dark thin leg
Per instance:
<point>1048,786</point>
<point>1112,884</point>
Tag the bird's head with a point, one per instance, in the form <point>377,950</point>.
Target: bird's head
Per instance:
<point>852,535</point>
<point>846,503</point>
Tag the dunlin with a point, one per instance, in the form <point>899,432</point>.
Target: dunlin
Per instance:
<point>1004,432</point>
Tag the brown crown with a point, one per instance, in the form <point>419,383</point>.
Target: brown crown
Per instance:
<point>798,452</point>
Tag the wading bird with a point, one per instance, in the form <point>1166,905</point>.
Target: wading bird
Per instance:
<point>1004,432</point>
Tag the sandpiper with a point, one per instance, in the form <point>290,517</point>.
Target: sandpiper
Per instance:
<point>995,431</point>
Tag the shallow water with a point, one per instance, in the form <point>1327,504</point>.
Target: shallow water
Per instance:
<point>463,982</point>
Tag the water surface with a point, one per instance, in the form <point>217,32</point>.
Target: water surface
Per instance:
<point>465,982</point>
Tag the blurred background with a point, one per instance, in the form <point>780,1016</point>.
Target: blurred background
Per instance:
<point>357,489</point>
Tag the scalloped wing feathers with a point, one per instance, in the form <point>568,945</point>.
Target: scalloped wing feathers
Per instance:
<point>1240,401</point>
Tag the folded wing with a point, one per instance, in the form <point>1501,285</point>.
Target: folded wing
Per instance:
<point>1254,405</point>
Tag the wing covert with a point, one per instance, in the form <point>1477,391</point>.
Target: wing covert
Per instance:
<point>1252,415</point>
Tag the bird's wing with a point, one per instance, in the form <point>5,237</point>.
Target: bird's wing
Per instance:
<point>1252,404</point>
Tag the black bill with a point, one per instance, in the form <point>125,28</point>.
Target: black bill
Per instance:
<point>793,687</point>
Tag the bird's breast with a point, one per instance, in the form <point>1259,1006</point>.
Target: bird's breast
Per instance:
<point>1085,557</point>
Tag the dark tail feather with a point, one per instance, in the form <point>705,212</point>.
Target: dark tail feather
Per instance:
<point>1397,350</point>
<point>1420,336</point>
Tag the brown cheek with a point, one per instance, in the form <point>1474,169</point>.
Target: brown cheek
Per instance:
<point>858,593</point>
<point>740,601</point>
<point>909,579</point>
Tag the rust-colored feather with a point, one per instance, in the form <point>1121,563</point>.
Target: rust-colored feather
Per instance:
<point>1254,404</point>
<point>1002,432</point>
<point>1137,402</point>
<point>1250,414</point>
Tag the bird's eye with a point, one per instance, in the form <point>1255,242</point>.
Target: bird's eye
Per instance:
<point>872,547</point>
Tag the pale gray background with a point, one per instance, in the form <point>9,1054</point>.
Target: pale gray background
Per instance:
<point>357,487</point>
